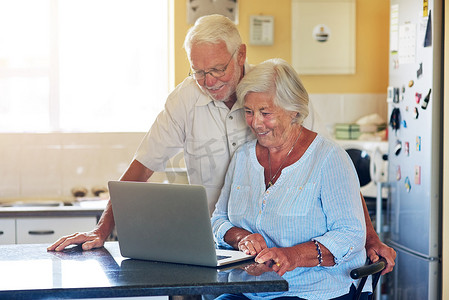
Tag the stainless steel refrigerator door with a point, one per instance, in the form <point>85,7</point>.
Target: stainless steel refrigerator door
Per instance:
<point>415,170</point>
<point>412,278</point>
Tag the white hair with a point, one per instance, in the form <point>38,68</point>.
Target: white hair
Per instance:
<point>213,29</point>
<point>278,77</point>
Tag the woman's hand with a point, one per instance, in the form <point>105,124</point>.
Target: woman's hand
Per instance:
<point>284,259</point>
<point>252,244</point>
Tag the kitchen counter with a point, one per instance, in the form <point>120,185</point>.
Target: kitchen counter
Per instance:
<point>76,209</point>
<point>30,272</point>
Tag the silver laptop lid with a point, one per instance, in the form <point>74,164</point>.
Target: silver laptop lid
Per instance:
<point>163,222</point>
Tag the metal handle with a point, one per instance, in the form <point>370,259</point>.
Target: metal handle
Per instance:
<point>41,232</point>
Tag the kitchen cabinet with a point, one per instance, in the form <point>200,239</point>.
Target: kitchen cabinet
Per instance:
<point>38,230</point>
<point>7,231</point>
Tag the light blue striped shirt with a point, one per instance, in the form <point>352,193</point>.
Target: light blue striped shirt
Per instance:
<point>316,198</point>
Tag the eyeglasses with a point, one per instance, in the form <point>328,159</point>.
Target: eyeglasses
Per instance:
<point>216,73</point>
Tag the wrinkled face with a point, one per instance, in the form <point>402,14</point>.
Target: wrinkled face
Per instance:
<point>271,124</point>
<point>209,57</point>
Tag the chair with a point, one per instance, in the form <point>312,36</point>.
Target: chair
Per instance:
<point>362,273</point>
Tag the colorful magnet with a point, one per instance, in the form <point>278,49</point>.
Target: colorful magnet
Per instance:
<point>426,100</point>
<point>425,8</point>
<point>417,174</point>
<point>418,143</point>
<point>404,124</point>
<point>407,148</point>
<point>395,118</point>
<point>411,83</point>
<point>398,173</point>
<point>408,187</point>
<point>419,71</point>
<point>398,147</point>
<point>415,113</point>
<point>418,97</point>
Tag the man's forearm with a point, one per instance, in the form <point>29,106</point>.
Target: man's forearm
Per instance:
<point>370,231</point>
<point>106,224</point>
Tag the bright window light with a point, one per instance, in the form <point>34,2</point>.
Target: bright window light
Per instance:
<point>82,65</point>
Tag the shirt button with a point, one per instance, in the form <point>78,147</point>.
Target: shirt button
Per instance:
<point>231,117</point>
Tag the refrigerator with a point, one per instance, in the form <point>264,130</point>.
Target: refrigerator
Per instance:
<point>413,215</point>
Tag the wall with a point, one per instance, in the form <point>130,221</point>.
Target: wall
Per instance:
<point>337,98</point>
<point>372,31</point>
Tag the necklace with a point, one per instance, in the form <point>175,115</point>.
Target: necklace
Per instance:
<point>270,183</point>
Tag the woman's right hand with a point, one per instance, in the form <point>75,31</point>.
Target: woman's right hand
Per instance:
<point>87,240</point>
<point>252,244</point>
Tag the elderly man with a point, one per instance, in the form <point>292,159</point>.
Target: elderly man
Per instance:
<point>201,118</point>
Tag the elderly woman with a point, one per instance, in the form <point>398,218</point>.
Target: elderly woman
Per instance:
<point>292,196</point>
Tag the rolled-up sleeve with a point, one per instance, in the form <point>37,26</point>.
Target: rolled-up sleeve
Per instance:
<point>342,206</point>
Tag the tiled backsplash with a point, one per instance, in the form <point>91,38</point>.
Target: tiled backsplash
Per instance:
<point>348,108</point>
<point>51,164</point>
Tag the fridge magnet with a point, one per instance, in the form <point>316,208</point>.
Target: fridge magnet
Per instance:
<point>416,113</point>
<point>418,97</point>
<point>426,100</point>
<point>418,143</point>
<point>398,147</point>
<point>417,174</point>
<point>390,94</point>
<point>396,95</point>
<point>408,187</point>
<point>395,63</point>
<point>398,173</point>
<point>407,148</point>
<point>411,83</point>
<point>419,71</point>
<point>404,124</point>
<point>428,36</point>
<point>425,8</point>
<point>395,118</point>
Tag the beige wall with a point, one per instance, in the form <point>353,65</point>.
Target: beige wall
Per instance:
<point>372,22</point>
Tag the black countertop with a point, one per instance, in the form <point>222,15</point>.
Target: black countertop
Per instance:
<point>30,272</point>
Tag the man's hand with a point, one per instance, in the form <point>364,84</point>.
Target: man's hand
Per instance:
<point>375,248</point>
<point>87,240</point>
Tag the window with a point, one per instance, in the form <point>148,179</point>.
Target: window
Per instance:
<point>82,65</point>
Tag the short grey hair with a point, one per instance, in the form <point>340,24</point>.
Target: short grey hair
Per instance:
<point>278,77</point>
<point>213,29</point>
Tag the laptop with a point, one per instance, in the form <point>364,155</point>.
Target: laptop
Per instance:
<point>166,222</point>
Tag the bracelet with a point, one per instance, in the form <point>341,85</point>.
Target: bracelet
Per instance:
<point>319,256</point>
